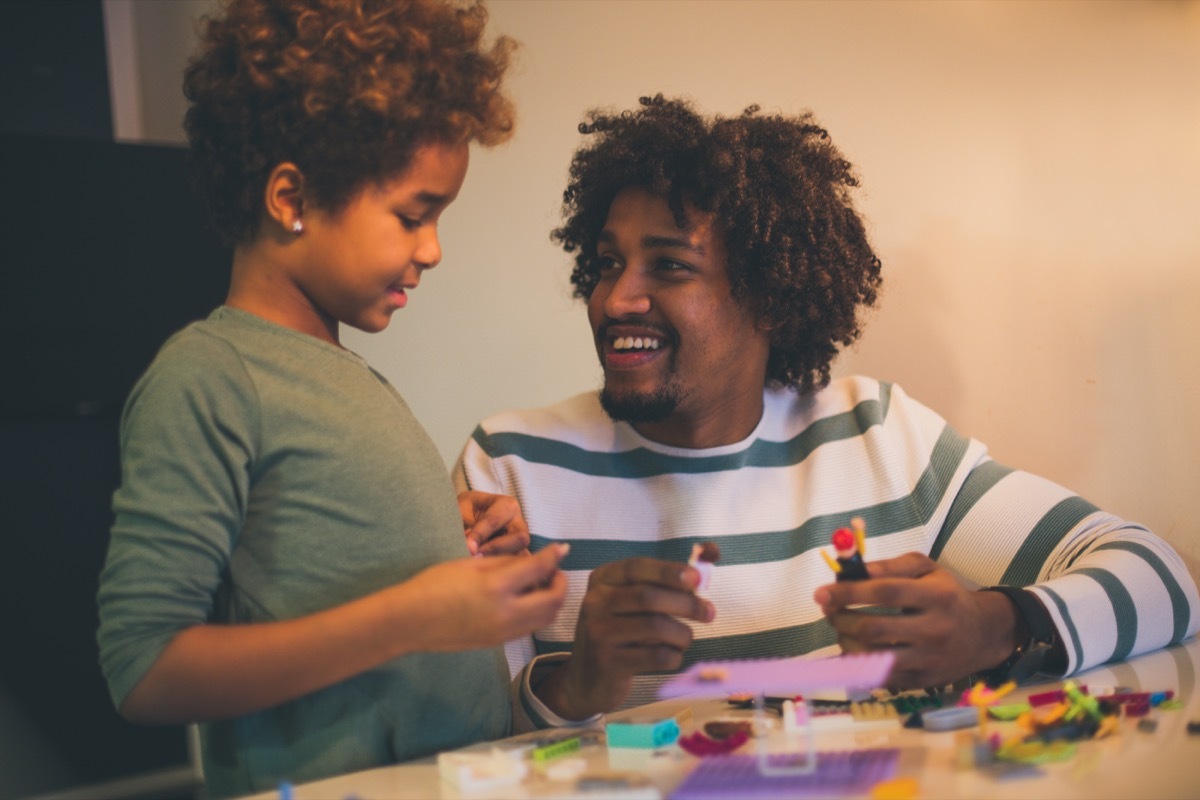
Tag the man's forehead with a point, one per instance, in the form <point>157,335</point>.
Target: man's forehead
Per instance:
<point>648,217</point>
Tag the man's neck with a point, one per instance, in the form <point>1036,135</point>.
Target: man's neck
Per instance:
<point>716,426</point>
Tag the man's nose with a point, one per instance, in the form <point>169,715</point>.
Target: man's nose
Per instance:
<point>628,296</point>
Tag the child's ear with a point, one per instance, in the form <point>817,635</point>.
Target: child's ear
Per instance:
<point>284,197</point>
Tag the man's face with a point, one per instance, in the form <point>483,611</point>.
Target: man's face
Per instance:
<point>683,361</point>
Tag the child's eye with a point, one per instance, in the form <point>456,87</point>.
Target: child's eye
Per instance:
<point>409,223</point>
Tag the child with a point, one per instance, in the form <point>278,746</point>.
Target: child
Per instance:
<point>287,564</point>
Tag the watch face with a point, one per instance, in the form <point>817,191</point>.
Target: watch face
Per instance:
<point>1030,662</point>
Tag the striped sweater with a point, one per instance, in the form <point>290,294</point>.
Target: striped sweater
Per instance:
<point>856,448</point>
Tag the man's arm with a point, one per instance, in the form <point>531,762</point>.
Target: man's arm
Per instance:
<point>1110,589</point>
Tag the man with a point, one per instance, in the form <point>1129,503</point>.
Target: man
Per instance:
<point>724,266</point>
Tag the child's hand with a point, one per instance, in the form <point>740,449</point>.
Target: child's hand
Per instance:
<point>493,524</point>
<point>480,602</point>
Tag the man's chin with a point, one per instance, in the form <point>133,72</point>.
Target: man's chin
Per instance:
<point>637,407</point>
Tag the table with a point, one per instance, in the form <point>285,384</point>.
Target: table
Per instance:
<point>1134,763</point>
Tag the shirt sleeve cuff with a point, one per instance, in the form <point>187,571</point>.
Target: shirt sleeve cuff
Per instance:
<point>529,712</point>
<point>1061,628</point>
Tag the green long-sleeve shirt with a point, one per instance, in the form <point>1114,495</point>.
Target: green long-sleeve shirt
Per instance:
<point>267,475</point>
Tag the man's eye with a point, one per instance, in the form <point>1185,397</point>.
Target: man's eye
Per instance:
<point>671,265</point>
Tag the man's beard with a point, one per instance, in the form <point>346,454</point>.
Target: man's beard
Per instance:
<point>635,407</point>
<point>652,406</point>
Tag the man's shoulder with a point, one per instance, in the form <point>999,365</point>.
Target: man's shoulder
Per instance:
<point>838,396</point>
<point>575,418</point>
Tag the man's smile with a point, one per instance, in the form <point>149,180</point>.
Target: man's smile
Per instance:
<point>625,346</point>
<point>636,343</point>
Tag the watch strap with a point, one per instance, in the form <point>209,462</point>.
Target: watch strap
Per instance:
<point>1037,619</point>
<point>1029,655</point>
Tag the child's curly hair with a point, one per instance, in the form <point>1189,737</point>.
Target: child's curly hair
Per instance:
<point>798,254</point>
<point>346,90</point>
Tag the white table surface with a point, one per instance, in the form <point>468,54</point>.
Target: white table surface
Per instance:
<point>1131,764</point>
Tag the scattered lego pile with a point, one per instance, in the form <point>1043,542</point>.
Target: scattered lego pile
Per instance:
<point>1045,728</point>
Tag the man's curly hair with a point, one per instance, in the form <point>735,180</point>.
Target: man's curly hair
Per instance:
<point>797,250</point>
<point>346,90</point>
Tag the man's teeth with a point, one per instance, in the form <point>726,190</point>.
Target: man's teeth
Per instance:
<point>636,343</point>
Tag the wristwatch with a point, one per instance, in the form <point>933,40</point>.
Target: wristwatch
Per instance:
<point>1030,655</point>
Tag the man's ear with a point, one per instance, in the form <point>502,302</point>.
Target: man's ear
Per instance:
<point>284,197</point>
<point>765,326</point>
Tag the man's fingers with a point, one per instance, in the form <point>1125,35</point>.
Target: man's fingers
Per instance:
<point>899,593</point>
<point>649,599</point>
<point>667,574</point>
<point>512,544</point>
<point>909,565</point>
<point>621,634</point>
<point>642,658</point>
<point>485,516</point>
<point>881,630</point>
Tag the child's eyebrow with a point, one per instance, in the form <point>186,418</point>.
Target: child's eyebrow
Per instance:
<point>431,198</point>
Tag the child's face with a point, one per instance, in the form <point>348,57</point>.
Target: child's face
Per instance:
<point>358,265</point>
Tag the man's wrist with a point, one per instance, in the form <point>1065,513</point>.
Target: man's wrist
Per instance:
<point>550,686</point>
<point>1035,639</point>
<point>546,696</point>
<point>1007,631</point>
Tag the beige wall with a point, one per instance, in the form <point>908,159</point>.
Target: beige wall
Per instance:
<point>1031,173</point>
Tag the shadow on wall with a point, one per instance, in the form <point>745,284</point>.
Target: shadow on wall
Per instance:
<point>1075,372</point>
<point>906,339</point>
<point>1152,401</point>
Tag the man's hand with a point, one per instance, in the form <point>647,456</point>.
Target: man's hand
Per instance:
<point>945,631</point>
<point>493,524</point>
<point>629,624</point>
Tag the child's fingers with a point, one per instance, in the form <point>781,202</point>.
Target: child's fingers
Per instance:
<point>522,574</point>
<point>539,607</point>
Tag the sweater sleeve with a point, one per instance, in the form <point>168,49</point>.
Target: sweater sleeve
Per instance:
<point>476,471</point>
<point>1113,588</point>
<point>187,437</point>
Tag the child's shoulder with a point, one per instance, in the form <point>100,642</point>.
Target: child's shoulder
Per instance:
<point>195,361</point>
<point>197,348</point>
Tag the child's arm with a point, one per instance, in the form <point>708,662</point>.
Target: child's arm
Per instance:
<point>211,672</point>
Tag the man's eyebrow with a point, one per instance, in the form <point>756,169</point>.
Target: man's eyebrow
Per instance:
<point>654,241</point>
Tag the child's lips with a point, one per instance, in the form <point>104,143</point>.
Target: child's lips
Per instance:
<point>398,295</point>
